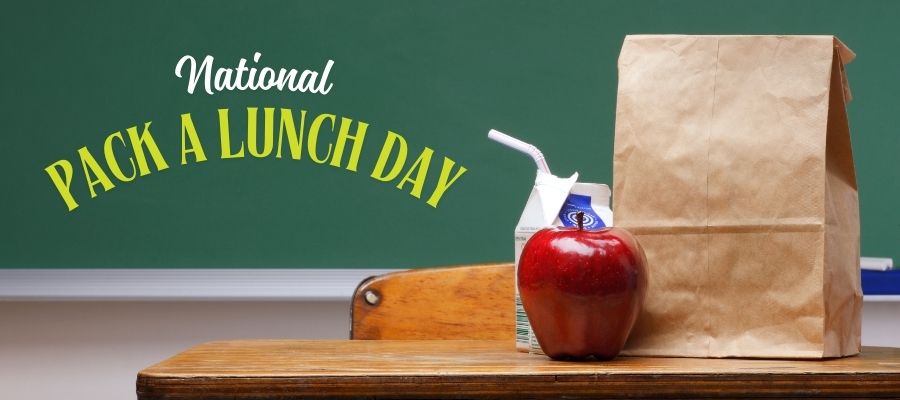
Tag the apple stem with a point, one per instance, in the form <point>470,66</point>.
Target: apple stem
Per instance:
<point>580,218</point>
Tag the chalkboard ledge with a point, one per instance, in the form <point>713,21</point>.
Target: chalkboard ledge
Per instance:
<point>875,298</point>
<point>197,284</point>
<point>181,284</point>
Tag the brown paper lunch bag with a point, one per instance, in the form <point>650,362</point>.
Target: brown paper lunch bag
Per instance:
<point>733,167</point>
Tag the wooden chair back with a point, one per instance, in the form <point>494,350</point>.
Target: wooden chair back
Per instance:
<point>467,302</point>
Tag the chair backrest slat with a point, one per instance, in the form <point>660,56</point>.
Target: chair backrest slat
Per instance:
<point>467,302</point>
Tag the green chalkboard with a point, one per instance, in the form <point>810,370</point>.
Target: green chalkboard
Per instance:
<point>438,75</point>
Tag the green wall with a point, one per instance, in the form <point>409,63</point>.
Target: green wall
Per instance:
<point>440,74</point>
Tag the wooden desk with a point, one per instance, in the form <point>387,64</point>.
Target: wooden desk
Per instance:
<point>287,369</point>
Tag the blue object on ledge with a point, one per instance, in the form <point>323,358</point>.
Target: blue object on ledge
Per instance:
<point>881,282</point>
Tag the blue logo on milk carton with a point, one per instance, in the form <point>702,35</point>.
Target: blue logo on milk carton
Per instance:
<point>575,203</point>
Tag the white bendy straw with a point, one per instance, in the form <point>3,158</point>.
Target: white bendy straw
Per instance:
<point>519,145</point>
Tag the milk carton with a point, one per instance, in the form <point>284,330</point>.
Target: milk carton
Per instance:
<point>554,201</point>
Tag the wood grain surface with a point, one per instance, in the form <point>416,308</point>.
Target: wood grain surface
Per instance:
<point>287,369</point>
<point>468,302</point>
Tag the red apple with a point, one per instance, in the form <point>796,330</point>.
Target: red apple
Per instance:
<point>582,289</point>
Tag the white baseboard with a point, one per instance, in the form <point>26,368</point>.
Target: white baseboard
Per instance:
<point>181,284</point>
